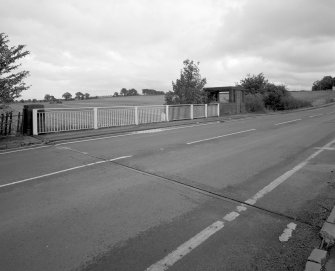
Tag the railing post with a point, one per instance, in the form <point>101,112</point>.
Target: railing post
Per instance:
<point>95,118</point>
<point>191,112</point>
<point>206,111</point>
<point>167,113</point>
<point>218,110</point>
<point>35,128</point>
<point>136,115</point>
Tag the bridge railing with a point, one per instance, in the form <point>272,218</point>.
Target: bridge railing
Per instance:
<point>52,120</point>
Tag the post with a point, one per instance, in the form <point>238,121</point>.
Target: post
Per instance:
<point>136,115</point>
<point>206,111</point>
<point>35,124</point>
<point>191,112</point>
<point>167,113</point>
<point>218,110</point>
<point>18,123</point>
<point>95,118</point>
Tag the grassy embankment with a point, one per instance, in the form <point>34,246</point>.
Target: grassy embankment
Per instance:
<point>291,100</point>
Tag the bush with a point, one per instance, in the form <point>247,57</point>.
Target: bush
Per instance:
<point>254,103</point>
<point>273,96</point>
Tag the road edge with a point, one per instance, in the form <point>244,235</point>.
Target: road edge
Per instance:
<point>320,256</point>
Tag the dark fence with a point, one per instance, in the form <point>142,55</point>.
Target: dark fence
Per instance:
<point>11,124</point>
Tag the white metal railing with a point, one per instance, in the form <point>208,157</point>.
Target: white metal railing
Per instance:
<point>50,120</point>
<point>118,116</point>
<point>213,110</point>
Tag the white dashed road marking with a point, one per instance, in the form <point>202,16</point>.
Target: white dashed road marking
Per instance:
<point>280,123</point>
<point>211,138</point>
<point>187,247</point>
<point>326,149</point>
<point>287,234</point>
<point>201,237</point>
<point>70,149</point>
<point>135,133</point>
<point>26,149</point>
<point>318,115</point>
<point>62,171</point>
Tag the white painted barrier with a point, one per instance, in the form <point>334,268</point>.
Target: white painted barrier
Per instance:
<point>51,120</point>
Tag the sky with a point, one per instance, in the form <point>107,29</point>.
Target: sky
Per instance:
<point>102,46</point>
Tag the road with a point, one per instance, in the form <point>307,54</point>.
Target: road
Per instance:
<point>209,196</point>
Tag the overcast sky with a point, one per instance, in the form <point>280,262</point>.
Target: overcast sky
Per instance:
<point>104,45</point>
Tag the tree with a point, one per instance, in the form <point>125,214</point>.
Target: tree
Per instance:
<point>67,96</point>
<point>147,91</point>
<point>254,83</point>
<point>327,82</point>
<point>79,95</point>
<point>87,96</point>
<point>11,84</point>
<point>124,92</point>
<point>261,94</point>
<point>188,89</point>
<point>116,94</point>
<point>132,92</point>
<point>47,97</point>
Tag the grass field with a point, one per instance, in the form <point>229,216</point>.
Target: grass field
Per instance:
<point>101,102</point>
<point>315,97</point>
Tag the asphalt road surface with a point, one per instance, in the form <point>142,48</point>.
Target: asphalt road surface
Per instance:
<point>247,194</point>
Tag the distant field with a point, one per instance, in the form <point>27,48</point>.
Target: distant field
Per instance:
<point>101,102</point>
<point>315,97</point>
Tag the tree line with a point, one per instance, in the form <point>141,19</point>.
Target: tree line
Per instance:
<point>326,83</point>
<point>133,92</point>
<point>147,91</point>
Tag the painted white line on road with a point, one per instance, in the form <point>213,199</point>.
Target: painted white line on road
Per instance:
<point>201,237</point>
<point>134,133</point>
<point>287,234</point>
<point>275,183</point>
<point>330,113</point>
<point>27,149</point>
<point>187,247</point>
<point>70,149</point>
<point>326,149</point>
<point>231,216</point>
<point>91,139</point>
<point>241,208</point>
<point>211,138</point>
<point>285,176</point>
<point>280,123</point>
<point>318,115</point>
<point>62,171</point>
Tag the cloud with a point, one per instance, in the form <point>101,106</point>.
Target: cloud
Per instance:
<point>283,37</point>
<point>102,46</point>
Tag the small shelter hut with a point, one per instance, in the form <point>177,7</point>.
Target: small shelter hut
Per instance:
<point>231,98</point>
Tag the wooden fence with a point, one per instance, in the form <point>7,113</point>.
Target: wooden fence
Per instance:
<point>11,124</point>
